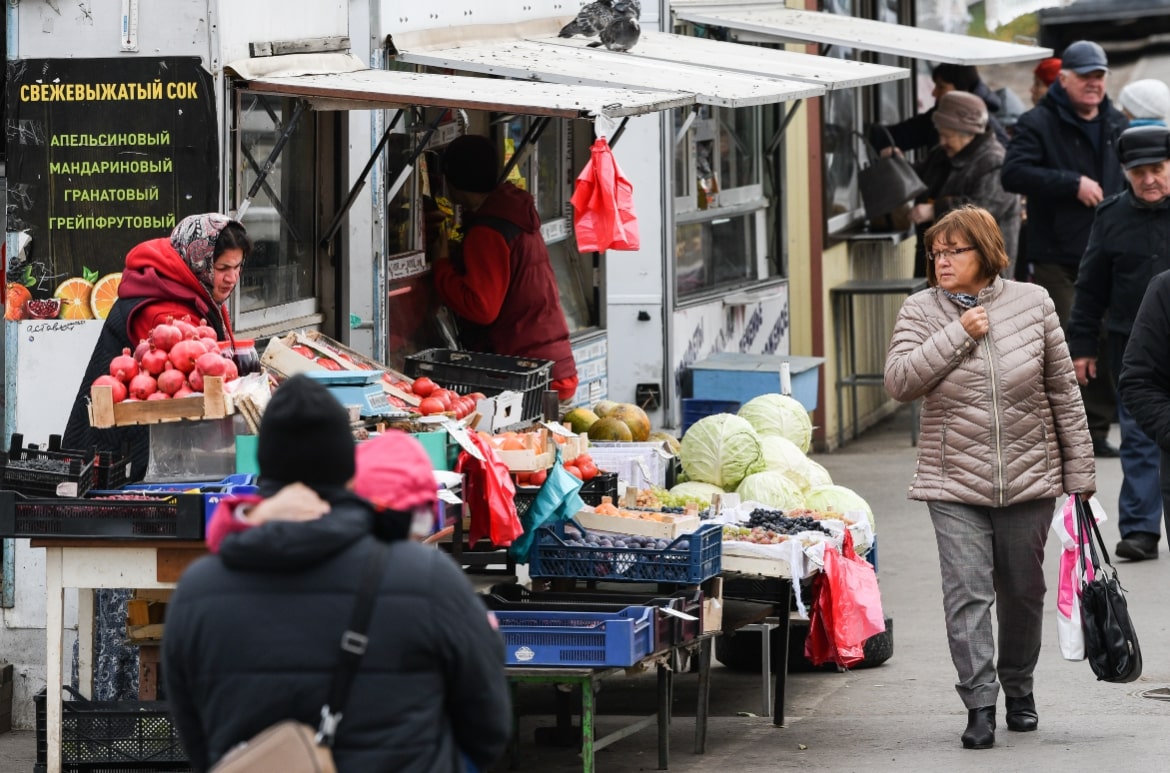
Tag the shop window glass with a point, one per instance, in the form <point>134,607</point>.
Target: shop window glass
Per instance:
<point>281,218</point>
<point>719,199</point>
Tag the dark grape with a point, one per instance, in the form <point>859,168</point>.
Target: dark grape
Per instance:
<point>776,521</point>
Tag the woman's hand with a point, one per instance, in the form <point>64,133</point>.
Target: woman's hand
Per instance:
<point>974,321</point>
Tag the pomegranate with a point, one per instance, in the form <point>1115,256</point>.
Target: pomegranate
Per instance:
<point>142,348</point>
<point>124,367</point>
<point>158,396</point>
<point>117,388</point>
<point>165,336</point>
<point>186,329</point>
<point>42,308</point>
<point>195,380</point>
<point>231,372</point>
<point>185,391</point>
<point>211,364</point>
<point>184,354</point>
<point>155,361</point>
<point>210,344</point>
<point>203,330</point>
<point>143,386</point>
<point>171,380</point>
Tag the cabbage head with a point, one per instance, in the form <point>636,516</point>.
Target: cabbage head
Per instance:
<point>781,455</point>
<point>721,450</point>
<point>837,499</point>
<point>692,491</point>
<point>772,489</point>
<point>776,414</point>
<point>817,475</point>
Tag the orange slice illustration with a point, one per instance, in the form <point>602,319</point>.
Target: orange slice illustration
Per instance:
<point>104,294</point>
<point>74,294</point>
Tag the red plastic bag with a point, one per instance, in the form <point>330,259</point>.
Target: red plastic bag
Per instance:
<point>818,645</point>
<point>490,495</point>
<point>603,204</point>
<point>857,602</point>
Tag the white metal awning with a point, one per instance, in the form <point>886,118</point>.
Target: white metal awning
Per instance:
<point>825,71</point>
<point>572,65</point>
<point>342,82</point>
<point>774,20</point>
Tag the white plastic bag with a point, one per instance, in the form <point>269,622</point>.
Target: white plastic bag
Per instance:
<point>1068,603</point>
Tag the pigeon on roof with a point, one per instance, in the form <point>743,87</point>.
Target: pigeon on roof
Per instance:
<point>590,21</point>
<point>623,32</point>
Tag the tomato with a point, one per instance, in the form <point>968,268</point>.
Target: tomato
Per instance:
<point>430,406</point>
<point>304,351</point>
<point>423,386</point>
<point>513,443</point>
<point>584,459</point>
<point>588,470</point>
<point>524,478</point>
<point>477,396</point>
<point>443,396</point>
<point>538,478</point>
<point>573,470</point>
<point>328,364</point>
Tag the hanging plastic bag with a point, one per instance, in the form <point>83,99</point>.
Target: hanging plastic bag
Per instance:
<point>1068,593</point>
<point>818,645</point>
<point>490,495</point>
<point>856,601</point>
<point>559,499</point>
<point>603,204</point>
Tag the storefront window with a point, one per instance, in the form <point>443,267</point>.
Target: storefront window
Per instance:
<point>280,217</point>
<point>719,200</point>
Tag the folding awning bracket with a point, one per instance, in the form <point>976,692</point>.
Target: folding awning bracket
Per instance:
<point>526,144</point>
<point>360,183</point>
<point>263,172</point>
<point>774,143</point>
<point>686,125</point>
<point>617,135</point>
<point>408,167</point>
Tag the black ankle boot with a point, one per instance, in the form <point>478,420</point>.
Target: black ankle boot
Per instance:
<point>980,732</point>
<point>1021,713</point>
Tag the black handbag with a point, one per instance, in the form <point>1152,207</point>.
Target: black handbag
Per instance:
<point>1111,644</point>
<point>886,183</point>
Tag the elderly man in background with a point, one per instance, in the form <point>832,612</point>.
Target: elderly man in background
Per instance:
<point>1063,157</point>
<point>1127,247</point>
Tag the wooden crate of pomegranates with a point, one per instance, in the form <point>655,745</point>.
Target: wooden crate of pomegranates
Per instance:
<point>212,404</point>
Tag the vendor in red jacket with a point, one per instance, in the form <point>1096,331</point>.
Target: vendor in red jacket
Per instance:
<point>187,276</point>
<point>502,286</point>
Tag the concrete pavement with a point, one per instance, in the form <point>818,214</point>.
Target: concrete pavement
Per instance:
<point>904,715</point>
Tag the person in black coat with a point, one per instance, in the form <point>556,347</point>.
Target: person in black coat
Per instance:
<point>1127,247</point>
<point>1063,157</point>
<point>1144,385</point>
<point>253,632</point>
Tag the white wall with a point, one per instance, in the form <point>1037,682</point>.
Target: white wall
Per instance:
<point>54,30</point>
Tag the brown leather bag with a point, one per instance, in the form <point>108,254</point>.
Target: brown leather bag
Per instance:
<point>286,747</point>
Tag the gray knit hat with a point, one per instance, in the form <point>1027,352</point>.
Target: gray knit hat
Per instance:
<point>961,112</point>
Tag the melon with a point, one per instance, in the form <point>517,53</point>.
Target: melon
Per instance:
<point>605,408</point>
<point>580,419</point>
<point>608,429</point>
<point>658,436</point>
<point>634,418</point>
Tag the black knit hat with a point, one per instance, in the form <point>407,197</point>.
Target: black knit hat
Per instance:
<point>470,164</point>
<point>305,436</point>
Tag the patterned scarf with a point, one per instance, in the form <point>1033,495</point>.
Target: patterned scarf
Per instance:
<point>194,239</point>
<point>963,300</point>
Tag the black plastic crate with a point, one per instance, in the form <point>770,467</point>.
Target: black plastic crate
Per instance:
<point>170,516</point>
<point>604,484</point>
<point>467,372</point>
<point>46,473</point>
<point>111,469</point>
<point>112,736</point>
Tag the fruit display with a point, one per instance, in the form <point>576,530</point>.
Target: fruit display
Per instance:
<point>610,429</point>
<point>610,422</point>
<point>607,507</point>
<point>172,363</point>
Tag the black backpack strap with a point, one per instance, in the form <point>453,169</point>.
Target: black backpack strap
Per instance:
<point>353,645</point>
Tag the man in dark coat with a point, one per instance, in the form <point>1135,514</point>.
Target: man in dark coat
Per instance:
<point>1127,247</point>
<point>1063,158</point>
<point>253,633</point>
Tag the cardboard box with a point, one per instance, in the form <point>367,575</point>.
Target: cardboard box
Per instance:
<point>213,404</point>
<point>712,604</point>
<point>499,412</point>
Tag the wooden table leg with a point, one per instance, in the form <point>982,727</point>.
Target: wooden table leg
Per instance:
<point>784,618</point>
<point>85,641</point>
<point>704,706</point>
<point>54,641</point>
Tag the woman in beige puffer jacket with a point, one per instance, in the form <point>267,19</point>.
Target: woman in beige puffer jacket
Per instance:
<point>1003,435</point>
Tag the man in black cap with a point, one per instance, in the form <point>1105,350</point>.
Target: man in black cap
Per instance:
<point>1127,247</point>
<point>1063,157</point>
<point>254,632</point>
<point>501,283</point>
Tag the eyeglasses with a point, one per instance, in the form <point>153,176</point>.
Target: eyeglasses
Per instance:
<point>949,254</point>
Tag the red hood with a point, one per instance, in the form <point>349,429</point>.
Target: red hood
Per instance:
<point>510,203</point>
<point>155,270</point>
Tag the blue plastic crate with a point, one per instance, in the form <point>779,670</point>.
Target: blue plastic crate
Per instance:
<point>695,408</point>
<point>690,559</point>
<point>577,638</point>
<point>211,491</point>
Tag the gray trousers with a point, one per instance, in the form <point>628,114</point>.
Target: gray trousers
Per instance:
<point>992,555</point>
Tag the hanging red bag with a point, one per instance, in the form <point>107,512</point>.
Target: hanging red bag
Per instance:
<point>818,645</point>
<point>857,602</point>
<point>603,204</point>
<point>490,495</point>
